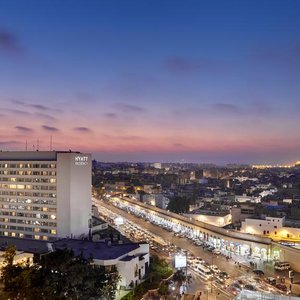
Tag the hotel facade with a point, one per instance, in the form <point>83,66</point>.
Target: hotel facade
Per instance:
<point>45,195</point>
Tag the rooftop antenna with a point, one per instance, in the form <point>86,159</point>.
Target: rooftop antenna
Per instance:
<point>26,146</point>
<point>50,142</point>
<point>37,145</point>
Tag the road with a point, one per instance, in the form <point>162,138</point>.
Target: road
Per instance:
<point>197,283</point>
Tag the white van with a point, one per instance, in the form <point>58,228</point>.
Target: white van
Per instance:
<point>281,266</point>
<point>204,272</point>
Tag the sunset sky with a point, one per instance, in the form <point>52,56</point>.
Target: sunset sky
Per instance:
<point>193,80</point>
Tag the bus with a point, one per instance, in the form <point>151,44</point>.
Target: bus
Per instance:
<point>205,272</point>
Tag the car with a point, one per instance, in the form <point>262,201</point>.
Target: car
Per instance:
<point>224,275</point>
<point>258,272</point>
<point>219,279</point>
<point>237,286</point>
<point>215,269</point>
<point>281,287</point>
<point>199,260</point>
<point>216,252</point>
<point>271,280</point>
<point>250,287</point>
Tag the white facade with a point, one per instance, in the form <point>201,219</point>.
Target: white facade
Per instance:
<point>217,220</point>
<point>262,226</point>
<point>132,266</point>
<point>44,194</point>
<point>245,198</point>
<point>271,227</point>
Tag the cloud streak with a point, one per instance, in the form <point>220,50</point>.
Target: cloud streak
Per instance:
<point>125,107</point>
<point>9,42</point>
<point>50,128</point>
<point>24,129</point>
<point>82,129</point>
<point>177,64</point>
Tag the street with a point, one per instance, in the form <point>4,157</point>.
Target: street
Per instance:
<point>211,289</point>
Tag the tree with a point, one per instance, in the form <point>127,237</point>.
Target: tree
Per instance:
<point>163,290</point>
<point>60,275</point>
<point>179,204</point>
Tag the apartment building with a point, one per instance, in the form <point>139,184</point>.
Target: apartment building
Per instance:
<point>45,195</point>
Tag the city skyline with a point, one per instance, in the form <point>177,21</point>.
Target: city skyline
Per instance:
<point>150,81</point>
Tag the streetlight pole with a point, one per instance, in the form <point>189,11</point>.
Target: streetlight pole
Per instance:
<point>186,273</point>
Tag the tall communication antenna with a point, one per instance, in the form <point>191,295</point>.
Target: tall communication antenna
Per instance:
<point>26,146</point>
<point>50,142</point>
<point>37,145</point>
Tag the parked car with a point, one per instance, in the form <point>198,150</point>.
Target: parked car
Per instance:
<point>258,272</point>
<point>216,252</point>
<point>250,287</point>
<point>271,280</point>
<point>281,287</point>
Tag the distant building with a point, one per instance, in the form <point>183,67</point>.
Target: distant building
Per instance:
<point>245,198</point>
<point>157,200</point>
<point>215,218</point>
<point>272,227</point>
<point>45,195</point>
<point>156,165</point>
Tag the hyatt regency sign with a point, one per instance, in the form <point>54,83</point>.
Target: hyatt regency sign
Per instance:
<point>81,160</point>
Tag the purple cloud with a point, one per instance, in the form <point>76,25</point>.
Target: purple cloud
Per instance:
<point>16,101</point>
<point>227,107</point>
<point>125,107</point>
<point>82,129</point>
<point>45,116</point>
<point>39,106</point>
<point>24,129</point>
<point>17,111</point>
<point>9,42</point>
<point>177,64</point>
<point>50,128</point>
<point>111,115</point>
<point>9,143</point>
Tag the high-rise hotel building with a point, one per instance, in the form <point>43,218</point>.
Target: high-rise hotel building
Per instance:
<point>45,194</point>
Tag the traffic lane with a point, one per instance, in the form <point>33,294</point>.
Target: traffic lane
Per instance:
<point>229,266</point>
<point>224,265</point>
<point>198,282</point>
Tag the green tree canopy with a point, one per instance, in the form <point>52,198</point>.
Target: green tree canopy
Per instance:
<point>60,275</point>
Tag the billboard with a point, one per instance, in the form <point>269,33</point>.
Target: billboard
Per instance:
<point>180,261</point>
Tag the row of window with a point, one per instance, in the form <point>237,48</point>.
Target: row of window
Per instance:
<point>27,201</point>
<point>27,166</point>
<point>27,194</point>
<point>28,208</point>
<point>28,222</point>
<point>28,173</point>
<point>28,215</point>
<point>27,187</point>
<point>26,236</point>
<point>34,180</point>
<point>28,229</point>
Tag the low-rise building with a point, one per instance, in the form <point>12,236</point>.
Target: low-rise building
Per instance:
<point>130,259</point>
<point>272,227</point>
<point>216,218</point>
